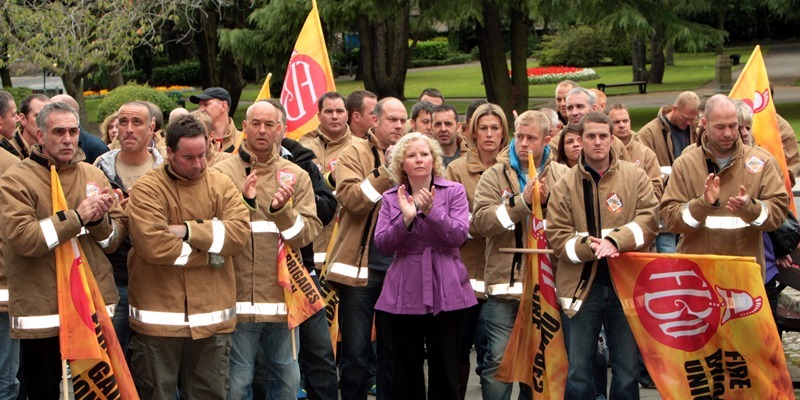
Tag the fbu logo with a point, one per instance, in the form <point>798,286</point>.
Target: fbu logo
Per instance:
<point>304,84</point>
<point>678,307</point>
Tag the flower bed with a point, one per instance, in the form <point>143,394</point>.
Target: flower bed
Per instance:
<point>548,75</point>
<point>91,94</point>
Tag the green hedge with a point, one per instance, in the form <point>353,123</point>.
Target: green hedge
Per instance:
<point>583,46</point>
<point>185,73</point>
<point>450,60</point>
<point>431,50</point>
<point>19,93</point>
<point>123,94</point>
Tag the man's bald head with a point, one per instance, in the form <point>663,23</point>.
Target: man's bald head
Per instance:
<point>66,99</point>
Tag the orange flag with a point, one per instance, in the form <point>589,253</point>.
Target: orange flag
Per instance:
<point>752,87</point>
<point>329,295</point>
<point>704,324</point>
<point>86,335</point>
<point>302,297</point>
<point>536,354</point>
<point>308,77</point>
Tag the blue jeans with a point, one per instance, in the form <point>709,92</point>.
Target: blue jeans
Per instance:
<point>9,360</point>
<point>316,356</point>
<point>356,313</point>
<point>499,315</point>
<point>120,319</point>
<point>283,372</point>
<point>601,308</point>
<point>666,243</point>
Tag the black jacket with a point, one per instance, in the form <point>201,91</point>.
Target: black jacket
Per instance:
<point>91,146</point>
<point>326,201</point>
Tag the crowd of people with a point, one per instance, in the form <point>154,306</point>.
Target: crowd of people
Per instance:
<point>184,224</point>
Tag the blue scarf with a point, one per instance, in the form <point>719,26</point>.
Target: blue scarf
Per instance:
<point>523,177</point>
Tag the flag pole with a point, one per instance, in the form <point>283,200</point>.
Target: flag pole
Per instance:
<point>64,386</point>
<point>525,251</point>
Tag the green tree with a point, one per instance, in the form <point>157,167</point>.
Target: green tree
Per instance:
<point>219,66</point>
<point>649,24</point>
<point>384,29</point>
<point>503,30</point>
<point>267,38</point>
<point>75,38</point>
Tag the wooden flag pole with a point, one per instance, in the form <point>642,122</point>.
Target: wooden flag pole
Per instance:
<point>64,383</point>
<point>526,251</point>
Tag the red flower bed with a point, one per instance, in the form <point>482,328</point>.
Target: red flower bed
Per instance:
<point>552,70</point>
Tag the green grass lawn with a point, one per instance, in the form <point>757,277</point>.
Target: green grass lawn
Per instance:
<point>790,111</point>
<point>463,82</point>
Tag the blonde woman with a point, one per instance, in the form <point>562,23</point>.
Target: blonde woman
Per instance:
<point>486,136</point>
<point>110,130</point>
<point>424,221</point>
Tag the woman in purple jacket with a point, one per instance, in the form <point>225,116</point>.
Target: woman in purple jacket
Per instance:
<point>423,221</point>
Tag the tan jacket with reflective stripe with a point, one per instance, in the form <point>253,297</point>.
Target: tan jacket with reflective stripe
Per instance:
<point>31,232</point>
<point>327,152</point>
<point>712,229</point>
<point>645,159</point>
<point>359,186</point>
<point>656,136</point>
<point>6,161</point>
<point>173,289</point>
<point>498,207</point>
<point>625,211</point>
<point>259,298</point>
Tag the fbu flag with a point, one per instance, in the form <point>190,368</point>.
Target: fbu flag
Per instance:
<point>704,323</point>
<point>308,77</point>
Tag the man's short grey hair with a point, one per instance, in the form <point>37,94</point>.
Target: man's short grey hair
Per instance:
<point>49,108</point>
<point>5,97</point>
<point>139,103</point>
<point>278,106</point>
<point>578,90</point>
<point>551,115</point>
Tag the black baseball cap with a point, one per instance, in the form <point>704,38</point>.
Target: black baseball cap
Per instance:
<point>212,93</point>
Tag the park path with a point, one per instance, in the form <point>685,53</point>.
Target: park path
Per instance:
<point>781,60</point>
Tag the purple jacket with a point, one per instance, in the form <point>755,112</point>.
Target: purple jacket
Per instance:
<point>427,275</point>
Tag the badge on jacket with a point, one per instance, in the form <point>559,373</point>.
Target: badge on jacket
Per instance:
<point>754,165</point>
<point>286,178</point>
<point>614,203</point>
<point>92,189</point>
<point>332,164</point>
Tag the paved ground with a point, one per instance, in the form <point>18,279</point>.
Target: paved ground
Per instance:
<point>781,61</point>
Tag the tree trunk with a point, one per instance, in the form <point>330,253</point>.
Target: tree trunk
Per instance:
<point>639,58</point>
<point>721,24</point>
<point>385,53</point>
<point>520,31</point>
<point>5,75</point>
<point>657,60</point>
<point>115,79</point>
<point>493,58</point>
<point>229,70</point>
<point>231,79</point>
<point>207,49</point>
<point>671,55</point>
<point>73,84</point>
